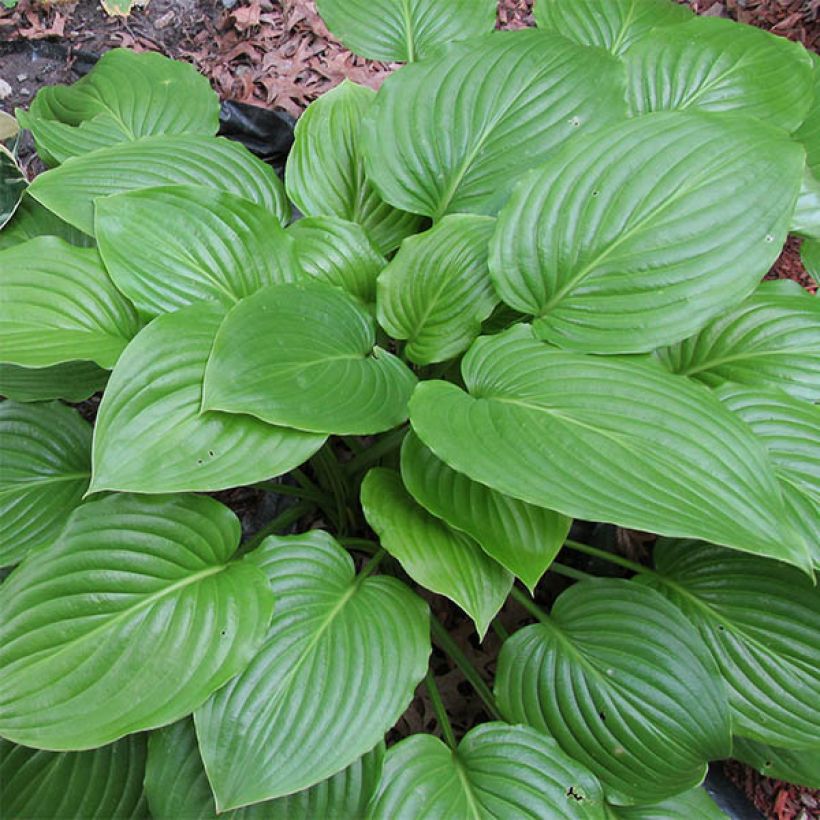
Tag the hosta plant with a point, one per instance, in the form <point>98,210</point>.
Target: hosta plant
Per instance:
<point>518,286</point>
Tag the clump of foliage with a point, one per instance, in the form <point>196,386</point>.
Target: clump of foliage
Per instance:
<point>523,286</point>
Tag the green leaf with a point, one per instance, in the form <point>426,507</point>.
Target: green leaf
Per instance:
<point>620,678</point>
<point>405,30</point>
<point>169,247</point>
<point>325,173</point>
<point>610,24</point>
<point>442,559</point>
<point>59,305</point>
<point>303,355</point>
<point>101,783</point>
<point>605,439</point>
<point>772,340</point>
<point>809,131</point>
<point>46,468</point>
<point>339,253</point>
<point>497,771</point>
<point>124,97</point>
<point>13,185</point>
<point>711,64</point>
<point>691,805</point>
<point>800,766</point>
<point>127,622</point>
<point>806,218</point>
<point>628,239</point>
<point>436,291</point>
<point>70,381</point>
<point>32,220</point>
<point>810,257</point>
<point>339,665</point>
<point>788,429</point>
<point>521,537</point>
<point>177,788</point>
<point>154,398</point>
<point>70,190</point>
<point>761,622</point>
<point>487,110</point>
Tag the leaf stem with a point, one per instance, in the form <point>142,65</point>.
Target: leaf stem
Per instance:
<point>362,544</point>
<point>386,444</point>
<point>499,629</point>
<point>282,521</point>
<point>441,712</point>
<point>303,493</point>
<point>569,572</point>
<point>370,566</point>
<point>608,556</point>
<point>530,605</point>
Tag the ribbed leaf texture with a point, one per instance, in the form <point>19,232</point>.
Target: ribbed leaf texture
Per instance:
<point>695,803</point>
<point>806,219</point>
<point>621,679</point>
<point>810,257</point>
<point>13,185</point>
<point>809,131</point>
<point>70,381</point>
<point>800,766</point>
<point>31,220</point>
<point>128,621</point>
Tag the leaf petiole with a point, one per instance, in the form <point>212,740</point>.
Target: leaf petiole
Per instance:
<point>441,712</point>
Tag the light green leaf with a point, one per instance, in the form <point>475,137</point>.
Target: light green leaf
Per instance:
<point>436,291</point>
<point>70,381</point>
<point>761,622</point>
<point>799,766</point>
<point>46,466</point>
<point>620,678</point>
<point>32,220</point>
<point>124,97</point>
<point>127,622</point>
<point>628,239</point>
<point>521,537</point>
<point>325,173</point>
<point>610,24</point>
<point>150,436</point>
<point>101,783</point>
<point>810,257</point>
<point>605,439</point>
<point>13,185</point>
<point>339,253</point>
<point>711,64</point>
<point>692,805</point>
<point>58,305</point>
<point>405,30</point>
<point>454,132</point>
<point>809,131</point>
<point>70,190</point>
<point>497,771</point>
<point>172,246</point>
<point>772,340</point>
<point>442,559</point>
<point>340,662</point>
<point>303,355</point>
<point>806,218</point>
<point>9,127</point>
<point>177,788</point>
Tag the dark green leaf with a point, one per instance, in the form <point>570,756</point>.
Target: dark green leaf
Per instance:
<point>692,805</point>
<point>12,185</point>
<point>800,766</point>
<point>810,256</point>
<point>32,220</point>
<point>70,381</point>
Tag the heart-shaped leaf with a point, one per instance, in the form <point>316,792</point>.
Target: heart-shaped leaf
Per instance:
<point>665,454</point>
<point>59,305</point>
<point>340,662</point>
<point>621,679</point>
<point>70,381</point>
<point>438,557</point>
<point>303,355</point>
<point>695,803</point>
<point>325,173</point>
<point>169,247</point>
<point>128,621</point>
<point>31,220</point>
<point>70,190</point>
<point>800,766</point>
<point>712,64</point>
<point>768,652</point>
<point>628,239</point>
<point>436,291</point>
<point>154,398</point>
<point>497,771</point>
<point>515,96</point>
<point>520,536</point>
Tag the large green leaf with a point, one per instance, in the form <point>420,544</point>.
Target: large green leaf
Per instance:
<point>340,662</point>
<point>620,678</point>
<point>58,305</point>
<point>70,381</point>
<point>31,219</point>
<point>606,439</point>
<point>177,787</point>
<point>150,435</point>
<point>405,30</point>
<point>433,554</point>
<point>325,173</point>
<point>436,291</point>
<point>303,355</point>
<point>124,97</point>
<point>128,621</point>
<point>169,247</point>
<point>70,190</point>
<point>103,783</point>
<point>692,805</point>
<point>454,132</point>
<point>809,131</point>
<point>520,536</point>
<point>772,340</point>
<point>628,239</point>
<point>13,185</point>
<point>761,622</point>
<point>610,24</point>
<point>497,771</point>
<point>801,766</point>
<point>712,64</point>
<point>46,467</point>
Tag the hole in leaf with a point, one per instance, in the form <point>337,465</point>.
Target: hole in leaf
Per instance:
<point>574,794</point>
<point>602,716</point>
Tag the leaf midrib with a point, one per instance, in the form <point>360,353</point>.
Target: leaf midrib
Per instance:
<point>754,354</point>
<point>34,483</point>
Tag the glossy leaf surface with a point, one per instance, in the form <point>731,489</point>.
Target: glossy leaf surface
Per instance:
<point>810,257</point>
<point>31,220</point>
<point>799,766</point>
<point>809,131</point>
<point>70,381</point>
<point>695,803</point>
